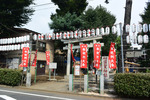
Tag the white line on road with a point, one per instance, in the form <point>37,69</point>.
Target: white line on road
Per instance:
<point>6,97</point>
<point>36,95</point>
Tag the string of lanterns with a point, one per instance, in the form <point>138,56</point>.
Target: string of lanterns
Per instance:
<point>15,43</point>
<point>145,28</point>
<point>76,34</point>
<point>8,44</point>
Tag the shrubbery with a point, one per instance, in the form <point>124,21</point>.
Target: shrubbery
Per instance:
<point>132,84</point>
<point>10,77</point>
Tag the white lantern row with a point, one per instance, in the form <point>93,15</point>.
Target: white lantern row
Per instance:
<point>13,47</point>
<point>138,28</point>
<point>15,40</point>
<point>76,34</point>
<point>139,38</point>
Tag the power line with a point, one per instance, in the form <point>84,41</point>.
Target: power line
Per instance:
<point>42,4</point>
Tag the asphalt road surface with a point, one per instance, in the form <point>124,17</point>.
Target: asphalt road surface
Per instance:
<point>20,94</point>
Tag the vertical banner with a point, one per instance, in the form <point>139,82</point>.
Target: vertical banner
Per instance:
<point>112,57</point>
<point>25,57</point>
<point>97,55</point>
<point>47,57</point>
<point>83,55</point>
<point>105,66</point>
<point>35,59</point>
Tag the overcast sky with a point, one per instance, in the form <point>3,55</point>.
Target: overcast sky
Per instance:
<point>41,18</point>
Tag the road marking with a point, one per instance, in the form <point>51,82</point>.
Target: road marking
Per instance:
<point>6,97</point>
<point>36,95</point>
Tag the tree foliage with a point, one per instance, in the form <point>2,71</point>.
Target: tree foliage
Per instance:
<point>68,22</point>
<point>98,17</point>
<point>71,6</point>
<point>146,19</point>
<point>14,13</point>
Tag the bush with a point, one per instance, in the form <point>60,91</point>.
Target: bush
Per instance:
<point>10,77</point>
<point>132,84</point>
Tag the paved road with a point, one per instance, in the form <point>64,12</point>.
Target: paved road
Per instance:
<point>18,94</point>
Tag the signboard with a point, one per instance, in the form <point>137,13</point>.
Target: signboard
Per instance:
<point>52,65</point>
<point>83,55</point>
<point>105,66</point>
<point>97,49</point>
<point>77,70</point>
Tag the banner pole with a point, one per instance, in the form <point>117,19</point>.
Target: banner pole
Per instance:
<point>36,61</point>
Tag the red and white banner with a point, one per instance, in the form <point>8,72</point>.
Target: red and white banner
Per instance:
<point>112,57</point>
<point>35,59</point>
<point>25,57</point>
<point>83,55</point>
<point>47,57</point>
<point>97,55</point>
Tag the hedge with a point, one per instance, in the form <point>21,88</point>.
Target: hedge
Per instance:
<point>10,77</point>
<point>132,84</point>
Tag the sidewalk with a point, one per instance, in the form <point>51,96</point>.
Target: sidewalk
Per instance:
<point>62,86</point>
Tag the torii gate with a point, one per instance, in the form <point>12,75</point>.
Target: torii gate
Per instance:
<point>79,40</point>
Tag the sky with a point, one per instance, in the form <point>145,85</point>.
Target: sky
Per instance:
<point>41,18</point>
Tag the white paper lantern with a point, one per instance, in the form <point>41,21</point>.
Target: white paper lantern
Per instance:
<point>145,39</point>
<point>92,32</point>
<point>22,45</point>
<point>50,36</point>
<point>53,36</point>
<point>39,36</point>
<point>34,37</point>
<point>128,39</point>
<point>22,38</point>
<point>97,32</point>
<point>57,36</point>
<point>71,34</point>
<point>114,29</point>
<point>25,38</point>
<point>79,34</point>
<point>19,39</point>
<point>6,40</point>
<point>133,28</point>
<point>134,39</point>
<point>84,33</point>
<point>18,48</point>
<point>88,33</point>
<point>102,31</point>
<point>27,45</point>
<point>75,34</point>
<point>140,39</point>
<point>145,28</point>
<point>10,40</point>
<point>28,37</point>
<point>139,28</point>
<point>60,35</point>
<point>127,28</point>
<point>68,35</point>
<point>107,30</point>
<point>46,36</point>
<point>12,47</point>
<point>14,40</point>
<point>42,37</point>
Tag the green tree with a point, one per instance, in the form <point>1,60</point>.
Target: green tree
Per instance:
<point>71,6</point>
<point>68,22</point>
<point>14,13</point>
<point>98,17</point>
<point>146,19</point>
